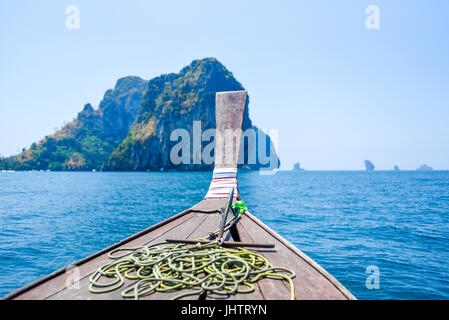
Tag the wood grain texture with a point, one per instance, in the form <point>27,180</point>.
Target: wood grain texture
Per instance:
<point>229,109</point>
<point>311,282</point>
<point>80,290</point>
<point>58,280</point>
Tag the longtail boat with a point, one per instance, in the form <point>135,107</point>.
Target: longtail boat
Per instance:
<point>311,281</point>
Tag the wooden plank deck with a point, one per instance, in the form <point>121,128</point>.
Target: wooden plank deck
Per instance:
<point>311,282</point>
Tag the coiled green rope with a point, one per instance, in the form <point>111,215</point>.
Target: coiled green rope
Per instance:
<point>201,268</point>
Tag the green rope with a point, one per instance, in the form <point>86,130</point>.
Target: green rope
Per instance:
<point>201,268</point>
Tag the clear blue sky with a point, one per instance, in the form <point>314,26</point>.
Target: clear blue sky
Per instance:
<point>338,92</point>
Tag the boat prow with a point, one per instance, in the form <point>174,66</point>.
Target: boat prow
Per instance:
<point>311,280</point>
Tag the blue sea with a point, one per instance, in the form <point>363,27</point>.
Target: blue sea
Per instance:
<point>397,222</point>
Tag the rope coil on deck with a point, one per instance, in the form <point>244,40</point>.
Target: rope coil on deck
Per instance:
<point>201,268</point>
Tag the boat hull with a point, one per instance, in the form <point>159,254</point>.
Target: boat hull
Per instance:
<point>311,281</point>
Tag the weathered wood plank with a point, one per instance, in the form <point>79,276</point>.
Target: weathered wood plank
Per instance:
<point>183,232</point>
<point>211,224</point>
<point>229,111</point>
<point>271,289</point>
<point>210,205</point>
<point>309,282</point>
<point>65,279</point>
<point>80,289</point>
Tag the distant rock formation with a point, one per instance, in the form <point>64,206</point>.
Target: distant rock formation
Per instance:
<point>396,168</point>
<point>297,167</point>
<point>424,167</point>
<point>369,165</point>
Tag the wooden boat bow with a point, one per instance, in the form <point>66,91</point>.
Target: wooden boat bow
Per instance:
<point>311,281</point>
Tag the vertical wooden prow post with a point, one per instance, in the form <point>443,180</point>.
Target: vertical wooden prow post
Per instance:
<point>229,111</point>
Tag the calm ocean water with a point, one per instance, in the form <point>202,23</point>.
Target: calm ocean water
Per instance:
<point>346,221</point>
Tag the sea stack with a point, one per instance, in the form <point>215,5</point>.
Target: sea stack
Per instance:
<point>396,168</point>
<point>369,165</point>
<point>297,167</point>
<point>424,167</point>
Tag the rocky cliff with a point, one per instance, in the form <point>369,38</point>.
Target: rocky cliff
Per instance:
<point>175,101</point>
<point>369,166</point>
<point>131,128</point>
<point>297,167</point>
<point>87,142</point>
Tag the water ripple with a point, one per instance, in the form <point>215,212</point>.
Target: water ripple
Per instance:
<point>346,221</point>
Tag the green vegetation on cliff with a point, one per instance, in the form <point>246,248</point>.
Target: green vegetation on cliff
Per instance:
<point>86,142</point>
<point>131,128</point>
<point>173,101</point>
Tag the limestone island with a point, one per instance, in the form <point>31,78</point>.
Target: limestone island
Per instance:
<point>369,165</point>
<point>297,167</point>
<point>424,167</point>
